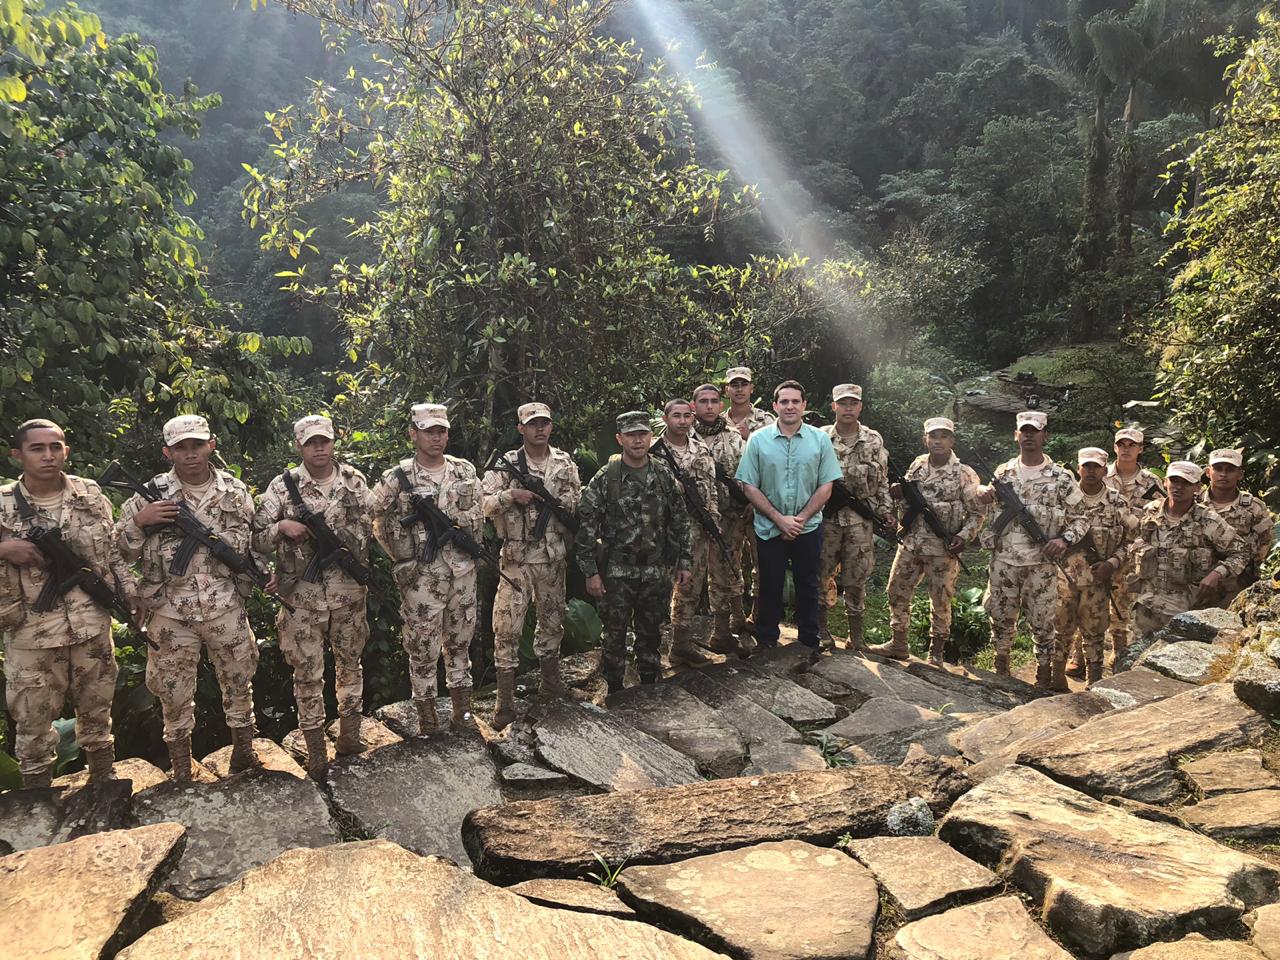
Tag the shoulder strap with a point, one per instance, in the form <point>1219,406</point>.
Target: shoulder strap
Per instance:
<point>403,477</point>
<point>291,484</point>
<point>25,510</point>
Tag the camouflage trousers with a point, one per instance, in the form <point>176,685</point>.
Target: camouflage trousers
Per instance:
<point>1121,613</point>
<point>853,550</point>
<point>37,682</point>
<point>684,600</point>
<point>1031,590</point>
<point>439,608</point>
<point>726,577</point>
<point>1083,608</point>
<point>640,603</point>
<point>1153,609</point>
<point>303,635</point>
<point>171,669</point>
<point>908,569</point>
<point>541,583</point>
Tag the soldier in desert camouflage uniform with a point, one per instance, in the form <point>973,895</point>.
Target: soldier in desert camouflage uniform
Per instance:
<point>1024,574</point>
<point>1247,514</point>
<point>1183,554</point>
<point>331,610</point>
<point>537,563</point>
<point>66,649</point>
<point>847,539</point>
<point>633,539</point>
<point>1084,594</point>
<point>746,418</point>
<point>950,488</point>
<point>202,606</point>
<point>438,601</point>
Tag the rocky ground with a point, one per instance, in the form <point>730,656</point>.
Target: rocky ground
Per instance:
<point>755,810</point>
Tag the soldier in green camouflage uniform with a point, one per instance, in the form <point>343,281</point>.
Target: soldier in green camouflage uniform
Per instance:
<point>634,534</point>
<point>1245,512</point>
<point>66,649</point>
<point>1139,486</point>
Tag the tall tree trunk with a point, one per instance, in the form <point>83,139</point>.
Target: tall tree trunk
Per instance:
<point>1090,246</point>
<point>1127,182</point>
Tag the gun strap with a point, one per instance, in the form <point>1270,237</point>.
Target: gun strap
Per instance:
<point>25,510</point>
<point>291,485</point>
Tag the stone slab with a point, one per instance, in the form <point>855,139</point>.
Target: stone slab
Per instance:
<point>782,697</point>
<point>1253,816</point>
<point>272,755</point>
<point>922,874</point>
<point>783,758</point>
<point>1138,687</point>
<point>1190,661</point>
<point>1236,772</point>
<point>885,679</point>
<point>753,722</point>
<point>43,816</point>
<point>528,775</point>
<point>139,772</point>
<point>1194,947</point>
<point>575,895</point>
<point>674,716</point>
<point>881,715</point>
<point>1047,716</point>
<point>1000,693</point>
<point>1264,930</point>
<point>994,930</point>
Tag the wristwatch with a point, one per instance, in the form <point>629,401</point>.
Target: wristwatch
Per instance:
<point>1069,537</point>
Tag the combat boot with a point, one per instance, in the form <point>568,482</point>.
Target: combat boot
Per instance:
<point>460,720</point>
<point>550,683</point>
<point>99,761</point>
<point>647,675</point>
<point>895,649</point>
<point>825,640</point>
<point>243,756</point>
<point>722,638</point>
<point>613,682</point>
<point>180,759</point>
<point>1058,677</point>
<point>1118,647</point>
<point>1093,671</point>
<point>42,779</point>
<point>682,649</point>
<point>857,637</point>
<point>937,646</point>
<point>349,741</point>
<point>505,710</point>
<point>1044,674</point>
<point>1002,664</point>
<point>738,624</point>
<point>1075,668</point>
<point>428,722</point>
<point>317,752</point>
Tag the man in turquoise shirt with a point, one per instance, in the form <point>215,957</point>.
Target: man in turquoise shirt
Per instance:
<point>787,470</point>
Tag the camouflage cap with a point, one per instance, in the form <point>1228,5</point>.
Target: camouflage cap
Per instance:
<point>1227,455</point>
<point>1185,470</point>
<point>531,411</point>
<point>846,390</point>
<point>939,423</point>
<point>1031,418</point>
<point>426,415</point>
<point>635,421</point>
<point>187,427</point>
<point>314,426</point>
<point>1092,455</point>
<point>738,373</point>
<point>1130,433</point>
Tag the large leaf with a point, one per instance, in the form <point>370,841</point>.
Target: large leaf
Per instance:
<point>10,776</point>
<point>1119,48</point>
<point>68,749</point>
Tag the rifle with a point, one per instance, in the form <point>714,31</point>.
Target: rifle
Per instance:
<point>329,549</point>
<point>693,498</point>
<point>919,508</point>
<point>551,506</point>
<point>842,498</point>
<point>736,493</point>
<point>441,530</point>
<point>1091,556</point>
<point>196,533</point>
<point>67,570</point>
<point>1015,510</point>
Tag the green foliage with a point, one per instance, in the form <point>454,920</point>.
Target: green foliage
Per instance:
<point>830,749</point>
<point>606,876</point>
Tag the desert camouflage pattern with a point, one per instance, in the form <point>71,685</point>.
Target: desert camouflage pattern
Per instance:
<point>1052,498</point>
<point>1083,608</point>
<point>756,419</point>
<point>543,585</point>
<point>1254,524</point>
<point>304,634</point>
<point>1031,589</point>
<point>1112,527</point>
<point>171,668</point>
<point>726,446</point>
<point>952,491</point>
<point>515,524</point>
<point>909,568</point>
<point>1137,490</point>
<point>696,459</point>
<point>847,539</point>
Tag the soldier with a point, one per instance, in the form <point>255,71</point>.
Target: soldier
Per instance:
<point>730,633</point>
<point>438,602</point>
<point>1023,573</point>
<point>67,648</point>
<point>537,561</point>
<point>332,608</point>
<point>1139,486</point>
<point>1183,554</point>
<point>202,605</point>
<point>1084,592</point>
<point>746,418</point>
<point>847,539</point>
<point>632,513</point>
<point>694,458</point>
<point>1247,514</point>
<point>950,488</point>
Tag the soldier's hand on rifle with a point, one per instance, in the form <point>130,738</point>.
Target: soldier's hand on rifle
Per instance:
<point>140,607</point>
<point>956,546</point>
<point>986,495</point>
<point>153,514</point>
<point>889,521</point>
<point>272,584</point>
<point>1055,548</point>
<point>595,586</point>
<point>522,497</point>
<point>1208,588</point>
<point>21,553</point>
<point>1102,571</point>
<point>294,530</point>
<point>895,491</point>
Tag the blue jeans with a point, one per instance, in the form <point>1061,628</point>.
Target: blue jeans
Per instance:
<point>804,553</point>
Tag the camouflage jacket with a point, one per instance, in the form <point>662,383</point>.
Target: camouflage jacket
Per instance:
<point>696,460</point>
<point>460,496</point>
<point>1112,527</point>
<point>726,446</point>
<point>515,524</point>
<point>86,528</point>
<point>1052,498</point>
<point>865,463</point>
<point>952,491</point>
<point>1138,490</point>
<point>346,510</point>
<point>1173,554</point>
<point>757,419</point>
<point>206,590</point>
<point>1251,520</point>
<point>633,526</point>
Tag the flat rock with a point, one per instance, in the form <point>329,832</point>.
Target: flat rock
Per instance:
<point>940,781</point>
<point>780,696</point>
<point>1190,661</point>
<point>137,771</point>
<point>993,930</point>
<point>1133,753</point>
<point>783,758</point>
<point>560,837</point>
<point>1253,816</point>
<point>235,825</point>
<point>1194,947</point>
<point>40,817</point>
<point>931,738</point>
<point>1264,927</point>
<point>416,792</point>
<point>294,744</point>
<point>1256,680</point>
<point>575,895</point>
<point>373,732</point>
<point>529,775</point>
<point>674,716</point>
<point>753,722</point>
<point>1000,693</point>
<point>1039,718</point>
<point>889,680</point>
<point>404,906</point>
<point>1103,880</point>
<point>1138,687</point>
<point>1199,625</point>
<point>272,755</point>
<point>731,901</point>
<point>83,899</point>
<point>922,874</point>
<point>601,750</point>
<point>880,715</point>
<point>1236,772</point>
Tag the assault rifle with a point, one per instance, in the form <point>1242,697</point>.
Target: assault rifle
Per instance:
<point>736,493</point>
<point>918,508</point>
<point>693,498</point>
<point>1089,548</point>
<point>1014,510</point>
<point>328,548</point>
<point>196,533</point>
<point>842,498</point>
<point>550,505</point>
<point>441,530</point>
<point>67,570</point>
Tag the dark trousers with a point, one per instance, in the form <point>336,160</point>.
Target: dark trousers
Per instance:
<point>804,554</point>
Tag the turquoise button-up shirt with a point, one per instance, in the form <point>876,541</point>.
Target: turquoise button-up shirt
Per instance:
<point>787,470</point>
